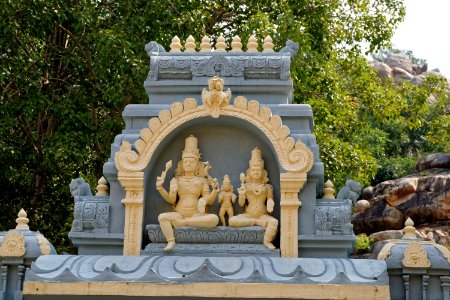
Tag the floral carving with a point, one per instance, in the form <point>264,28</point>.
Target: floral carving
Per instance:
<point>415,256</point>
<point>13,245</point>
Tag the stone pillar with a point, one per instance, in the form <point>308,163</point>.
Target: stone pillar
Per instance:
<point>445,284</point>
<point>290,186</point>
<point>133,183</point>
<point>406,285</point>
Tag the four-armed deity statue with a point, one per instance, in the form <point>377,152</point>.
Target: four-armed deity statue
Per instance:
<point>189,192</point>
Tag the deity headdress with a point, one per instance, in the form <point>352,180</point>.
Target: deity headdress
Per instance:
<point>191,148</point>
<point>191,151</point>
<point>226,179</point>
<point>256,159</point>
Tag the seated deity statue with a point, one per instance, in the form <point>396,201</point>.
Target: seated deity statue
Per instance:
<point>258,194</point>
<point>189,193</point>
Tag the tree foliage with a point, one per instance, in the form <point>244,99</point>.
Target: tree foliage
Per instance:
<point>67,71</point>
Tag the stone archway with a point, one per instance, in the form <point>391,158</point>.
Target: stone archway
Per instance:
<point>294,157</point>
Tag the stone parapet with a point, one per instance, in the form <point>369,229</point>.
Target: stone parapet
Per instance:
<point>175,75</point>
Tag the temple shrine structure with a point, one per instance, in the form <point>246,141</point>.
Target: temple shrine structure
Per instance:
<point>211,192</point>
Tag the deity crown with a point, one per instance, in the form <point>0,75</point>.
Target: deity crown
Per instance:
<point>256,159</point>
<point>191,148</point>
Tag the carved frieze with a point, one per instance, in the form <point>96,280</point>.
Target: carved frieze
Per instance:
<point>221,234</point>
<point>91,214</point>
<point>181,67</point>
<point>333,217</point>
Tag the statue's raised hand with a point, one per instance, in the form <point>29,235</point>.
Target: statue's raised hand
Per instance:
<point>159,182</point>
<point>173,185</point>
<point>270,205</point>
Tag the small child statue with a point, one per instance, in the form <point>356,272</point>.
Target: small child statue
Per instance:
<point>226,199</point>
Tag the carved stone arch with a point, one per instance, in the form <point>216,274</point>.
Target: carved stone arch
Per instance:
<point>293,156</point>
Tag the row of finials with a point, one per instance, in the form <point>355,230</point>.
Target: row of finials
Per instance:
<point>220,46</point>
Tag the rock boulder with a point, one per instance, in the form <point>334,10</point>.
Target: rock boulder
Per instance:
<point>425,197</point>
<point>400,61</point>
<point>435,160</point>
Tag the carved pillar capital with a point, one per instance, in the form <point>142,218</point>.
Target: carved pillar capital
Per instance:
<point>290,186</point>
<point>133,183</point>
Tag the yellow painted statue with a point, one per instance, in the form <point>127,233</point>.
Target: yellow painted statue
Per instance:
<point>226,199</point>
<point>189,192</point>
<point>256,191</point>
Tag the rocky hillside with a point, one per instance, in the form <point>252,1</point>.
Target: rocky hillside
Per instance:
<point>399,68</point>
<point>423,196</point>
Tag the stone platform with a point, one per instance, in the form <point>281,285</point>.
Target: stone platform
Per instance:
<point>218,235</point>
<point>245,277</point>
<point>219,241</point>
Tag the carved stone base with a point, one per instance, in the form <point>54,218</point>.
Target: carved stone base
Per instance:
<point>218,235</point>
<point>95,243</point>
<point>211,250</point>
<point>330,246</point>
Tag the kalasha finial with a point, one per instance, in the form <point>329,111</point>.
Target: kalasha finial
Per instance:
<point>205,45</point>
<point>102,187</point>
<point>268,45</point>
<point>220,44</point>
<point>252,44</point>
<point>175,46</point>
<point>236,45</point>
<point>328,191</point>
<point>190,44</point>
<point>409,232</point>
<point>22,220</point>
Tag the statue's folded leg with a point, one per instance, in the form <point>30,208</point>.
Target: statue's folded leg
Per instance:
<point>165,221</point>
<point>241,221</point>
<point>203,221</point>
<point>271,230</point>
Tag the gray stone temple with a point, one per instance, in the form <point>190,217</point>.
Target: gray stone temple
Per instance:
<point>213,194</point>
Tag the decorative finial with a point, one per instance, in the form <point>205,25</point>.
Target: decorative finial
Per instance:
<point>328,191</point>
<point>205,46</point>
<point>190,44</point>
<point>175,46</point>
<point>236,45</point>
<point>102,187</point>
<point>252,45</point>
<point>220,44</point>
<point>268,45</point>
<point>22,220</point>
<point>409,232</point>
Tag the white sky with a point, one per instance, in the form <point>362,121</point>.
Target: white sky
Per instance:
<point>426,31</point>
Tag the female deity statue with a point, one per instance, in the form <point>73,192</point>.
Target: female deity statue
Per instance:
<point>259,195</point>
<point>189,193</point>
